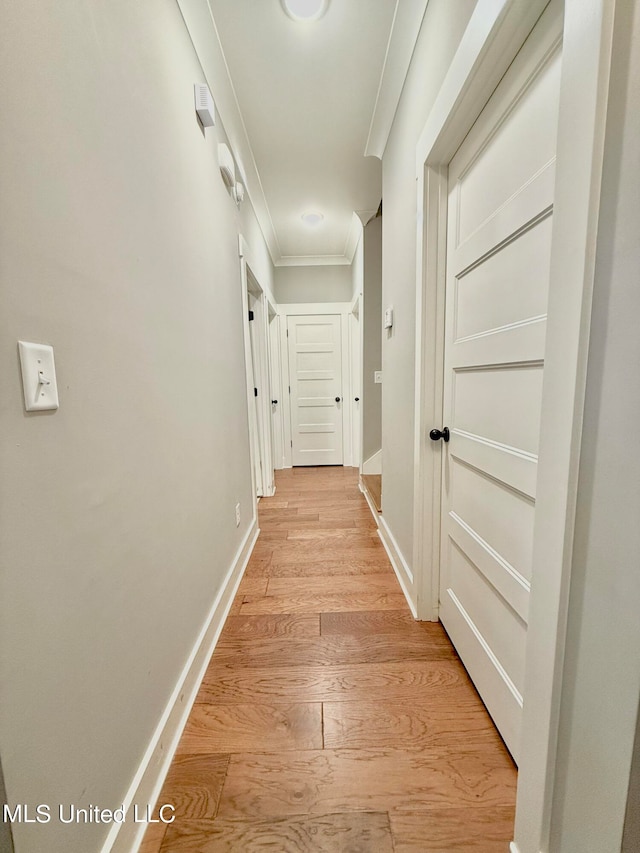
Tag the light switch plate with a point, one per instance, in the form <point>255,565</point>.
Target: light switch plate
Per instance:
<point>377,377</point>
<point>38,377</point>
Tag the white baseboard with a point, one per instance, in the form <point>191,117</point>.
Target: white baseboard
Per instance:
<point>147,783</point>
<point>513,847</point>
<point>373,465</point>
<point>400,565</point>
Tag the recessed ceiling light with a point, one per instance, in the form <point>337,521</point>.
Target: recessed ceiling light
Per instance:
<point>305,10</point>
<point>312,218</point>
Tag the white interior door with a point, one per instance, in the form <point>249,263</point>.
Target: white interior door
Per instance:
<point>315,374</point>
<point>501,184</point>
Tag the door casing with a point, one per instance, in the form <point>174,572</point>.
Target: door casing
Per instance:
<point>355,367</point>
<point>275,372</point>
<point>261,442</point>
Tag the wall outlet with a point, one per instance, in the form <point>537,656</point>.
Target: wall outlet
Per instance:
<point>377,377</point>
<point>237,515</point>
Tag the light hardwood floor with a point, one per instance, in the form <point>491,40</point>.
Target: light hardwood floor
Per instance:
<point>329,721</point>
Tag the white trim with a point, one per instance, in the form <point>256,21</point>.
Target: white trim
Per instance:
<point>263,382</point>
<point>277,390</point>
<point>148,780</point>
<point>347,395</point>
<point>200,24</point>
<point>311,260</point>
<point>285,384</point>
<point>405,29</point>
<point>254,432</point>
<point>496,32</point>
<point>373,465</point>
<point>365,216</point>
<point>586,65</point>
<point>353,237</point>
<point>355,373</point>
<point>370,503</point>
<point>298,308</point>
<point>268,308</point>
<point>513,848</point>
<point>400,566</point>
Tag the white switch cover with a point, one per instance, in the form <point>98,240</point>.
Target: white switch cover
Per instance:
<point>377,377</point>
<point>388,318</point>
<point>38,377</point>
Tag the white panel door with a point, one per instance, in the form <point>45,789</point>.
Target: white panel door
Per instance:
<point>498,252</point>
<point>315,373</point>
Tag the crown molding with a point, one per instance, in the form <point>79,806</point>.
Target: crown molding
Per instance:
<point>407,21</point>
<point>200,24</point>
<point>312,260</point>
<point>355,232</point>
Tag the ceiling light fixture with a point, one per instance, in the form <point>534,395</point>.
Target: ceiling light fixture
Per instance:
<point>312,219</point>
<point>305,10</point>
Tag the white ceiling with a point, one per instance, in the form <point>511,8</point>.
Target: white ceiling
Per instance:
<point>311,97</point>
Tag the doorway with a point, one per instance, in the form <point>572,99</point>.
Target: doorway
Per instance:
<point>277,397</point>
<point>500,192</point>
<point>355,366</point>
<point>316,389</point>
<point>259,396</point>
<point>371,471</point>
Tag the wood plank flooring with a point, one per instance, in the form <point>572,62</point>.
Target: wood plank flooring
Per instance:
<point>329,721</point>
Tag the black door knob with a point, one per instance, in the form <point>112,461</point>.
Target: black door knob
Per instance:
<point>274,402</point>
<point>357,399</point>
<point>436,434</point>
<point>337,399</point>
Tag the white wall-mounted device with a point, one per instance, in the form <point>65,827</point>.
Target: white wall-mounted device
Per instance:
<point>38,377</point>
<point>238,192</point>
<point>227,165</point>
<point>388,318</point>
<point>205,107</point>
<point>377,377</point>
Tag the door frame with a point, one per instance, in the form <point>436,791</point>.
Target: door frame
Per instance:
<point>310,309</point>
<point>356,340</point>
<point>262,440</point>
<point>276,388</point>
<point>495,34</point>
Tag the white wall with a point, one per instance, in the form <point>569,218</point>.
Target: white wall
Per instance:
<point>372,339</point>
<point>631,836</point>
<point>119,246</point>
<point>6,842</point>
<point>329,283</point>
<point>442,29</point>
<point>357,268</point>
<point>601,685</point>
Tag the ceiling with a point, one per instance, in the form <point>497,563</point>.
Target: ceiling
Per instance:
<point>311,97</point>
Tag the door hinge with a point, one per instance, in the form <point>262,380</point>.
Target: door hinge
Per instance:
<point>255,392</point>
<point>250,316</point>
<point>291,442</point>
<point>289,388</point>
<point>287,332</point>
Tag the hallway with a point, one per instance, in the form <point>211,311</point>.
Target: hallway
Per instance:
<point>329,720</point>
